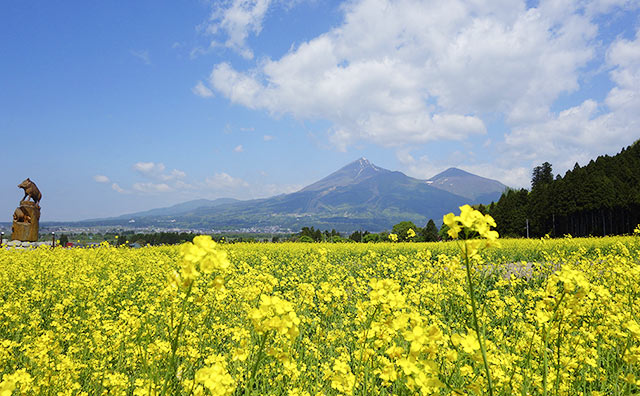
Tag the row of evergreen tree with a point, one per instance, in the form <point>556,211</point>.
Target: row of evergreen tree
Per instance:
<point>600,198</point>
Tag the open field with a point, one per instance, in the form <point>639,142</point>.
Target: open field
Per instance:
<point>559,317</point>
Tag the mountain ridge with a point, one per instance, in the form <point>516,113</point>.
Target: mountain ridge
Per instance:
<point>460,182</point>
<point>360,195</point>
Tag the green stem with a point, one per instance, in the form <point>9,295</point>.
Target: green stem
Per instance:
<point>526,364</point>
<point>254,370</point>
<point>364,343</point>
<point>174,344</point>
<point>558,344</point>
<point>475,319</point>
<point>544,357</point>
<point>545,333</point>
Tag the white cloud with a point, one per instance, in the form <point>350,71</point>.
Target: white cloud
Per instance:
<point>603,6</point>
<point>225,181</point>
<point>270,190</point>
<point>514,177</point>
<point>267,138</point>
<point>175,174</point>
<point>101,178</point>
<point>238,149</point>
<point>236,20</point>
<point>428,71</point>
<point>143,55</point>
<point>182,185</point>
<point>583,132</point>
<point>152,187</point>
<point>434,70</point>
<point>201,90</point>
<point>118,189</point>
<point>155,171</point>
<point>147,168</point>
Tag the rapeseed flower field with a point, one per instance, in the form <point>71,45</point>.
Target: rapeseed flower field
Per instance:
<point>471,316</point>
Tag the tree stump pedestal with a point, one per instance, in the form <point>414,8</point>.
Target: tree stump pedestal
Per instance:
<point>26,222</point>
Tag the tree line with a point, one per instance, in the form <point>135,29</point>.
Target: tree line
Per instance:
<point>405,231</point>
<point>600,198</point>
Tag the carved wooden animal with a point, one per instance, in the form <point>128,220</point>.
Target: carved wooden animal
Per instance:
<point>21,216</point>
<point>31,190</point>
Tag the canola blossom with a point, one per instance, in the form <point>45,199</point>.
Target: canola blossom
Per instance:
<point>553,317</point>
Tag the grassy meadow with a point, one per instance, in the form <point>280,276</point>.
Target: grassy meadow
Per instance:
<point>555,317</point>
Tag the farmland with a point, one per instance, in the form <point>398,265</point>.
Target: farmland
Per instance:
<point>556,316</point>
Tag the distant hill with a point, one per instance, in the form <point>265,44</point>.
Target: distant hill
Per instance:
<point>476,188</point>
<point>177,209</point>
<point>360,195</point>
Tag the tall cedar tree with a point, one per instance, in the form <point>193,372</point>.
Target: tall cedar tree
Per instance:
<point>600,198</point>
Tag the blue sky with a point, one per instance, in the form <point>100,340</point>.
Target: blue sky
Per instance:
<point>119,107</point>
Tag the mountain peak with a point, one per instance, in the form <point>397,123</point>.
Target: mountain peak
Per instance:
<point>361,163</point>
<point>354,172</point>
<point>451,172</point>
<point>467,184</point>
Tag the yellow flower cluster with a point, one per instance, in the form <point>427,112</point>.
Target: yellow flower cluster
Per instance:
<point>276,314</point>
<point>386,292</point>
<point>340,375</point>
<point>11,381</point>
<point>204,254</point>
<point>559,316</point>
<point>470,220</point>
<point>215,377</point>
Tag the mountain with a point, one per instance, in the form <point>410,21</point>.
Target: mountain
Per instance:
<point>353,173</point>
<point>477,189</point>
<point>360,195</point>
<point>180,208</point>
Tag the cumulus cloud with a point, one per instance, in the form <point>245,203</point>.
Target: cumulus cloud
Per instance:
<point>267,138</point>
<point>603,6</point>
<point>582,132</point>
<point>234,20</point>
<point>238,149</point>
<point>435,70</point>
<point>147,168</point>
<point>101,178</point>
<point>201,90</point>
<point>115,187</point>
<point>429,70</point>
<point>224,181</point>
<point>175,174</point>
<point>156,171</point>
<point>270,190</point>
<point>152,187</point>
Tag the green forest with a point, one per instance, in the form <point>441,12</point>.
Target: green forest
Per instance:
<point>600,198</point>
